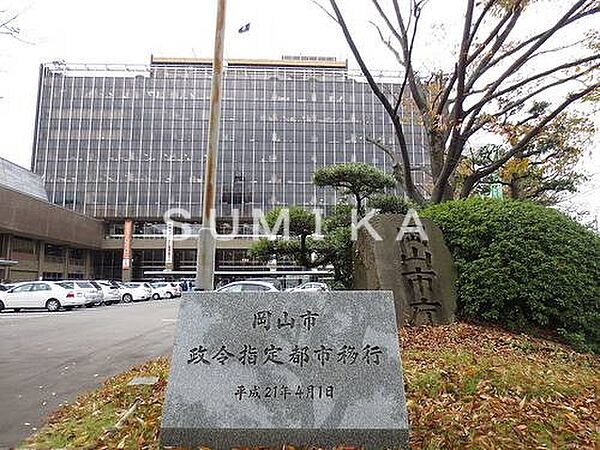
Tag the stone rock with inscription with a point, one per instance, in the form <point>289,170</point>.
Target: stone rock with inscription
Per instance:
<point>270,368</point>
<point>413,263</point>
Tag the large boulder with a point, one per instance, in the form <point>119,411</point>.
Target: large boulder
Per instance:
<point>412,261</point>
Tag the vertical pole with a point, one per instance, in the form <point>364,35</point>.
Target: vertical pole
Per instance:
<point>205,261</point>
<point>127,237</point>
<point>88,266</point>
<point>41,257</point>
<point>8,255</point>
<point>66,262</point>
<point>169,246</point>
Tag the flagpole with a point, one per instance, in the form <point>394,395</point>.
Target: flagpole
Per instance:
<point>206,246</point>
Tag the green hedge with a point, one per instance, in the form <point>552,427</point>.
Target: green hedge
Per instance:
<point>523,265</point>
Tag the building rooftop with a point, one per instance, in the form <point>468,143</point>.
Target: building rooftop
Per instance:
<point>320,62</point>
<point>17,178</point>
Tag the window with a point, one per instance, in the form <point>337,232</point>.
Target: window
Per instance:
<point>254,288</point>
<point>40,287</point>
<point>234,288</point>
<point>23,245</point>
<point>52,276</point>
<point>23,288</point>
<point>54,254</point>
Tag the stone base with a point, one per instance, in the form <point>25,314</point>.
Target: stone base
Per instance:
<point>240,438</point>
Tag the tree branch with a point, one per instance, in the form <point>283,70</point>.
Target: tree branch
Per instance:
<point>409,183</point>
<point>477,106</point>
<point>322,8</point>
<point>561,23</point>
<point>445,93</point>
<point>413,81</point>
<point>514,104</point>
<point>493,34</point>
<point>525,140</point>
<point>457,110</point>
<point>483,65</point>
<point>387,21</point>
<point>536,44</point>
<point>388,44</point>
<point>479,20</point>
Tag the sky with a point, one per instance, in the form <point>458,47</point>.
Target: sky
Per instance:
<point>119,31</point>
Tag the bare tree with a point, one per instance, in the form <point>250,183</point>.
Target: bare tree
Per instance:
<point>496,79</point>
<point>8,24</point>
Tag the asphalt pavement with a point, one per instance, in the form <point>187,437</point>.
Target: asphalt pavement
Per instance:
<point>47,359</point>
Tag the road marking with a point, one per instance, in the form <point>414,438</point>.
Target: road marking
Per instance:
<point>169,320</point>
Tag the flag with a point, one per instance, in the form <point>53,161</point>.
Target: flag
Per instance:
<point>244,28</point>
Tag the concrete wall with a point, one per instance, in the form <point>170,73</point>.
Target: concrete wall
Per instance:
<point>20,179</point>
<point>27,216</point>
<point>36,265</point>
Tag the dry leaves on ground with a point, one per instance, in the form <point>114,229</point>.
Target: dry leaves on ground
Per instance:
<point>467,387</point>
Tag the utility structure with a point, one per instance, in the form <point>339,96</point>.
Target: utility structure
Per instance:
<point>205,260</point>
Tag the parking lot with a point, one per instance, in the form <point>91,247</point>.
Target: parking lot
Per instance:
<point>48,358</point>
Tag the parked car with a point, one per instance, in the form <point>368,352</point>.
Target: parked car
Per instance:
<point>41,294</point>
<point>160,290</point>
<point>90,292</point>
<point>274,281</point>
<point>310,286</point>
<point>131,292</point>
<point>3,288</point>
<point>110,293</point>
<point>248,286</point>
<point>176,289</point>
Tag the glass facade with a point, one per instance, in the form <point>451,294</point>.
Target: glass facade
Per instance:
<point>129,141</point>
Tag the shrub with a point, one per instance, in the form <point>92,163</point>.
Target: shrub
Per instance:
<point>523,265</point>
<point>390,204</point>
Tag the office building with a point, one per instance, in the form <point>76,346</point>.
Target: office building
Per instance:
<point>127,143</point>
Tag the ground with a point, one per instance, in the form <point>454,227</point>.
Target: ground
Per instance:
<point>47,359</point>
<point>467,387</point>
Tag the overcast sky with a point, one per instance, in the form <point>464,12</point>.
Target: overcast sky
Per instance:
<point>129,31</point>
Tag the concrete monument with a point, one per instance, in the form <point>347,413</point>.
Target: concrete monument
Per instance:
<point>266,369</point>
<point>412,261</point>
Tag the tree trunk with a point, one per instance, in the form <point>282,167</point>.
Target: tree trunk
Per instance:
<point>436,154</point>
<point>359,206</point>
<point>304,257</point>
<point>514,188</point>
<point>468,186</point>
<point>442,190</point>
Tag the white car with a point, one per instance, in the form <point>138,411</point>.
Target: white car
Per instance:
<point>90,292</point>
<point>131,292</point>
<point>110,293</point>
<point>162,290</point>
<point>311,286</point>
<point>248,286</point>
<point>41,294</point>
<point>176,289</point>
